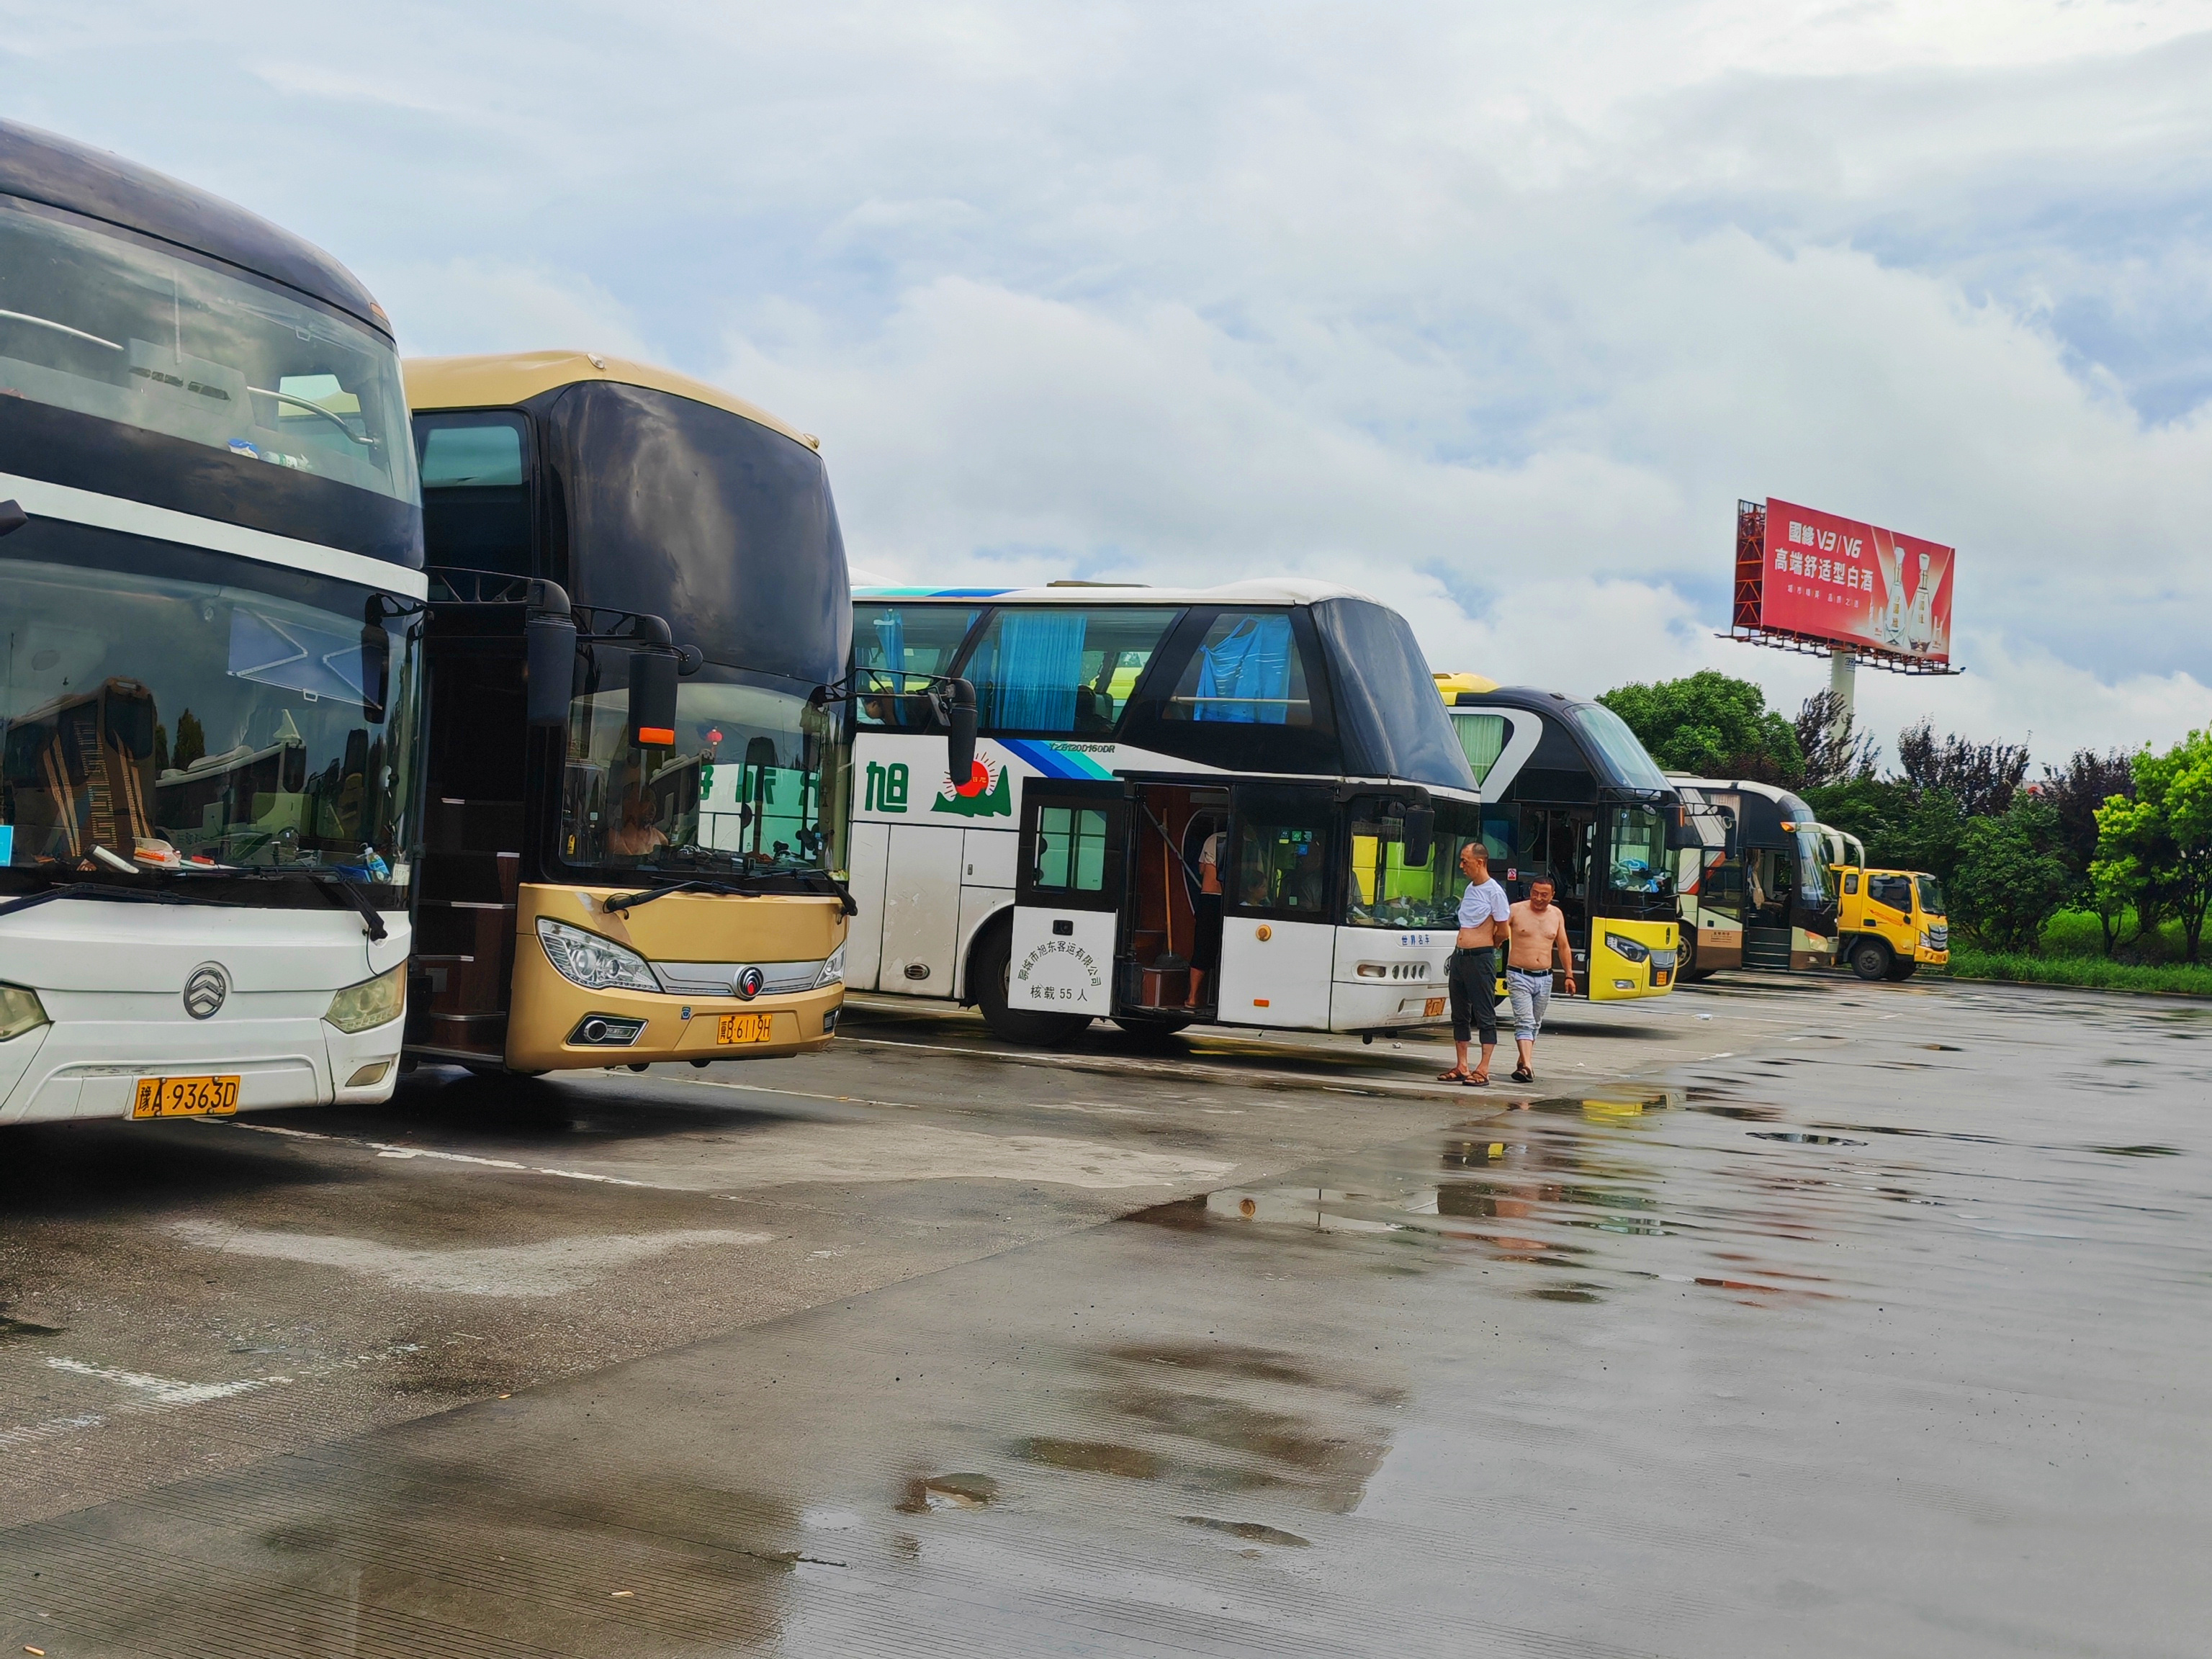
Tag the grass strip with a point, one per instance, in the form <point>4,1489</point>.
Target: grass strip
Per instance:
<point>2091,972</point>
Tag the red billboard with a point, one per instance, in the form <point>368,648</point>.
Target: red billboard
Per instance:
<point>1812,576</point>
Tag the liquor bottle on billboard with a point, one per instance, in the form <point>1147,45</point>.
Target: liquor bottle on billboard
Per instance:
<point>1892,627</point>
<point>1920,627</point>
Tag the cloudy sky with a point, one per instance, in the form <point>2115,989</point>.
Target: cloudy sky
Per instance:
<point>1492,310</point>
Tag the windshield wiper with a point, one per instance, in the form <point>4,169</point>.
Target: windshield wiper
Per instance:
<point>646,896</point>
<point>325,881</point>
<point>100,890</point>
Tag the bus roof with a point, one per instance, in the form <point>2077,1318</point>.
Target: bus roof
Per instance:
<point>44,166</point>
<point>505,379</point>
<point>1274,590</point>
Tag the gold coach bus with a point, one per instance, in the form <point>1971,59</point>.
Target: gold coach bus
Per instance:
<point>638,596</point>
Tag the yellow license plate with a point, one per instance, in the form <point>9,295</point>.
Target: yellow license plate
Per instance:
<point>186,1097</point>
<point>1433,1007</point>
<point>743,1028</point>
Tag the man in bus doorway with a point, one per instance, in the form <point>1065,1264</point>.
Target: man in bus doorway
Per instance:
<point>1539,933</point>
<point>1472,976</point>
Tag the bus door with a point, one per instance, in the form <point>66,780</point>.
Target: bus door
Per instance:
<point>1068,892</point>
<point>1281,882</point>
<point>1558,842</point>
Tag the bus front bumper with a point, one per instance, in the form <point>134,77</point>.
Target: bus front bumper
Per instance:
<point>556,1025</point>
<point>87,1062</point>
<point>1631,959</point>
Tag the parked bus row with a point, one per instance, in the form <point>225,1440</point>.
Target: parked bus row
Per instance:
<point>515,712</point>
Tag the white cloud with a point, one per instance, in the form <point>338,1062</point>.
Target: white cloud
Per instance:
<point>1492,309</point>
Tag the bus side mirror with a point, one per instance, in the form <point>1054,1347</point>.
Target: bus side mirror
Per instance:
<point>1419,845</point>
<point>960,736</point>
<point>653,670</point>
<point>12,518</point>
<point>1682,836</point>
<point>550,643</point>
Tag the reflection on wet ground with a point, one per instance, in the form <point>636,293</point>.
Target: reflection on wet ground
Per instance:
<point>1836,1357</point>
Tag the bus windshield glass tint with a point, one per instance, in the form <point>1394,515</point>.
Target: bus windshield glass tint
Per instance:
<point>1631,765</point>
<point>224,716</point>
<point>1639,859</point>
<point>94,322</point>
<point>1057,668</point>
<point>1247,669</point>
<point>740,792</point>
<point>1385,891</point>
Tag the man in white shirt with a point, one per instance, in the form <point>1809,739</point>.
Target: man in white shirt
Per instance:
<point>1472,976</point>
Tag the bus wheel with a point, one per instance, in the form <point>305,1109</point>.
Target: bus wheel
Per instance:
<point>993,962</point>
<point>1685,954</point>
<point>1902,970</point>
<point>1870,959</point>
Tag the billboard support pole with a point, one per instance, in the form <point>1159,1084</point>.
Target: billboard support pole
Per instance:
<point>1843,676</point>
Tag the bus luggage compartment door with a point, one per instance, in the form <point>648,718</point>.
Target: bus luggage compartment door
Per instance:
<point>1068,887</point>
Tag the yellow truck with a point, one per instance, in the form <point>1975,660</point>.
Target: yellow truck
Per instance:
<point>1888,921</point>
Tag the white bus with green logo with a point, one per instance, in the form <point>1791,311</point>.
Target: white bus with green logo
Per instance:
<point>1121,731</point>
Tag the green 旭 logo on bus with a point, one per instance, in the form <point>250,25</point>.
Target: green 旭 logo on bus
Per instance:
<point>987,794</point>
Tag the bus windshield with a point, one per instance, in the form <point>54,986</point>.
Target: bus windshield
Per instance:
<point>1384,891</point>
<point>1637,862</point>
<point>244,714</point>
<point>94,322</point>
<point>1632,764</point>
<point>740,791</point>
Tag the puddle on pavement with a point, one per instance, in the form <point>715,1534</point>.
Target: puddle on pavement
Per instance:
<point>947,1491</point>
<point>1090,1457</point>
<point>1799,1138</point>
<point>1252,1532</point>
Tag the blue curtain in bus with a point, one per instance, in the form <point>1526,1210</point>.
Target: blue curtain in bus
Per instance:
<point>1039,667</point>
<point>1254,661</point>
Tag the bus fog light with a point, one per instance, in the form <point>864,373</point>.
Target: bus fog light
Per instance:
<point>606,1031</point>
<point>595,964</point>
<point>1626,949</point>
<point>832,971</point>
<point>20,1011</point>
<point>368,1074</point>
<point>372,1003</point>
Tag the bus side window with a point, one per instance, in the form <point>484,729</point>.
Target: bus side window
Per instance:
<point>1071,849</point>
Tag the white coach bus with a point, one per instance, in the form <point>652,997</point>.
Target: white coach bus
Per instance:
<point>1119,730</point>
<point>210,588</point>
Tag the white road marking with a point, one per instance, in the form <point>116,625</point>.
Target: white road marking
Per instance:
<point>163,1390</point>
<point>552,1268</point>
<point>385,1149</point>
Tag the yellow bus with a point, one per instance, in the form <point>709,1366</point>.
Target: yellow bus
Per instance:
<point>1569,794</point>
<point>638,606</point>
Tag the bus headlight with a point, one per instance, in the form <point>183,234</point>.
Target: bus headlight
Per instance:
<point>1627,950</point>
<point>20,1011</point>
<point>372,1003</point>
<point>595,964</point>
<point>832,971</point>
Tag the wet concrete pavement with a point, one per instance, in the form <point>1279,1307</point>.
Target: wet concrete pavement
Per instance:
<point>1857,1321</point>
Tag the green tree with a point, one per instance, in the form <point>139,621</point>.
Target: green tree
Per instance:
<point>2077,789</point>
<point>2011,874</point>
<point>1711,725</point>
<point>2156,850</point>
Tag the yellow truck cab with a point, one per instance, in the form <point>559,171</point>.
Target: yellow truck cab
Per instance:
<point>1888,921</point>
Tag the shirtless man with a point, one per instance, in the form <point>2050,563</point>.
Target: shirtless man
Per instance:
<point>1539,933</point>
